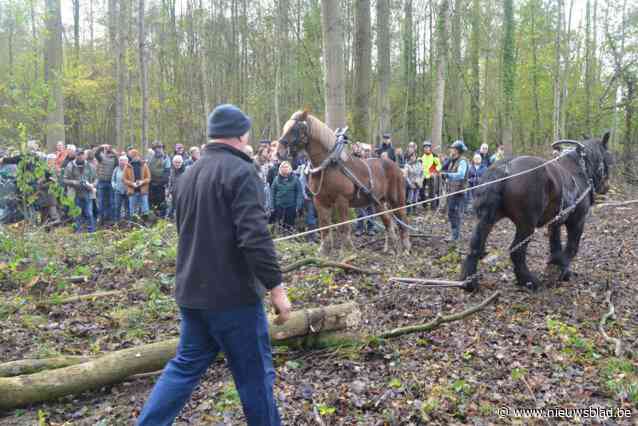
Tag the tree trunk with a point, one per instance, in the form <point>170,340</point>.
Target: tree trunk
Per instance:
<point>383,67</point>
<point>120,71</point>
<point>116,366</point>
<point>439,95</point>
<point>143,75</point>
<point>557,73</point>
<point>508,75</point>
<point>475,107</point>
<point>455,75</point>
<point>588,68</point>
<point>31,366</point>
<point>76,30</point>
<point>409,72</point>
<point>335,95</point>
<point>565,73</point>
<point>54,75</point>
<point>362,66</point>
<point>537,133</point>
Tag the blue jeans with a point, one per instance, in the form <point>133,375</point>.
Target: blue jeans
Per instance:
<point>455,210</point>
<point>85,203</point>
<point>311,214</point>
<point>242,334</point>
<point>138,201</point>
<point>121,202</point>
<point>105,200</point>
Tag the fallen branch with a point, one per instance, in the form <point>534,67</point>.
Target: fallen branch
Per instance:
<point>611,313</point>
<point>78,279</point>
<point>436,322</point>
<point>430,282</point>
<point>617,204</point>
<point>116,366</point>
<point>30,366</point>
<point>321,263</point>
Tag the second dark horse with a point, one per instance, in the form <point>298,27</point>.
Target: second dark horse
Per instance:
<point>533,200</point>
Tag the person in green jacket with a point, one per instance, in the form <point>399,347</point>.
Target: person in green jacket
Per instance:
<point>287,197</point>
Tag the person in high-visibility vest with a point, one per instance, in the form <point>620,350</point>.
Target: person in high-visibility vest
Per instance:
<point>431,167</point>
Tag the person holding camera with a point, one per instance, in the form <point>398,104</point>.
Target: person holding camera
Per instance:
<point>81,178</point>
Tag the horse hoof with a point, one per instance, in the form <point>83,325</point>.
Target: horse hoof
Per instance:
<point>565,275</point>
<point>471,286</point>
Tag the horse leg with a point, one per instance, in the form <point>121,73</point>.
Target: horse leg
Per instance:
<point>575,231</point>
<point>523,276</point>
<point>345,230</point>
<point>477,252</point>
<point>323,213</point>
<point>557,261</point>
<point>387,224</point>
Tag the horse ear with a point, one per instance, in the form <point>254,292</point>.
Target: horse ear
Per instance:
<point>605,140</point>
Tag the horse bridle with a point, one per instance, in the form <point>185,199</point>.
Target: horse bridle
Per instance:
<point>299,134</point>
<point>600,174</point>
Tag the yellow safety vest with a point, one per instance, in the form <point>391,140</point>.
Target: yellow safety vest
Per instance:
<point>430,162</point>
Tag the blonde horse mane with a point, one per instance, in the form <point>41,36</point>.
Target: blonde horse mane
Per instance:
<point>317,130</point>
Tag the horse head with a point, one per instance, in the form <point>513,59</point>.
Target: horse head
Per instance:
<point>599,160</point>
<point>295,136</point>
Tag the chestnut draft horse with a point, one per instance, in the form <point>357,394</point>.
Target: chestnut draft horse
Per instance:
<point>378,180</point>
<point>562,190</point>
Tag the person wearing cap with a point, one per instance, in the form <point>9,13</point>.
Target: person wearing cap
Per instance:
<point>431,167</point>
<point>226,260</point>
<point>160,166</point>
<point>456,175</point>
<point>386,146</point>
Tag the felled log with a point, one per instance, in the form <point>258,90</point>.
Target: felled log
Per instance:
<point>30,366</point>
<point>116,366</point>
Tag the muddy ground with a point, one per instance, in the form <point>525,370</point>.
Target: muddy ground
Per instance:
<point>528,350</point>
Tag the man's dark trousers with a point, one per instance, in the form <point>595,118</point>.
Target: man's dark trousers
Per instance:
<point>242,334</point>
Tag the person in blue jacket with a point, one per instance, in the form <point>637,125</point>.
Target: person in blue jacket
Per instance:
<point>456,175</point>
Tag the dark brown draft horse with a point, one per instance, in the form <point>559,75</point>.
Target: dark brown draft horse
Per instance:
<point>532,200</point>
<point>332,188</point>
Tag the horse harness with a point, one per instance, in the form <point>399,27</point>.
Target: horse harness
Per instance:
<point>334,160</point>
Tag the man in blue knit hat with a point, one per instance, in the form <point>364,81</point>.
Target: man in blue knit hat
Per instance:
<point>226,261</point>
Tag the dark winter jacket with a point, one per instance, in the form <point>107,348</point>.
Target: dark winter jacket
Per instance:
<point>106,163</point>
<point>224,249</point>
<point>475,173</point>
<point>386,147</point>
<point>286,192</point>
<point>160,168</point>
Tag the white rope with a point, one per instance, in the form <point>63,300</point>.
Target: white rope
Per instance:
<point>462,191</point>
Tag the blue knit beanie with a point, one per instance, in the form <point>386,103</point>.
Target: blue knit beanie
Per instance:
<point>227,121</point>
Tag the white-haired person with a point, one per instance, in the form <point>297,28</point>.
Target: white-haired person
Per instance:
<point>120,190</point>
<point>178,167</point>
<point>484,152</point>
<point>477,169</point>
<point>286,197</point>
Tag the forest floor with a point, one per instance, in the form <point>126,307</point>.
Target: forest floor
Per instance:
<point>528,350</point>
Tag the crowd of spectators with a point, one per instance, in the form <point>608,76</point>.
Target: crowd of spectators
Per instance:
<point>110,186</point>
